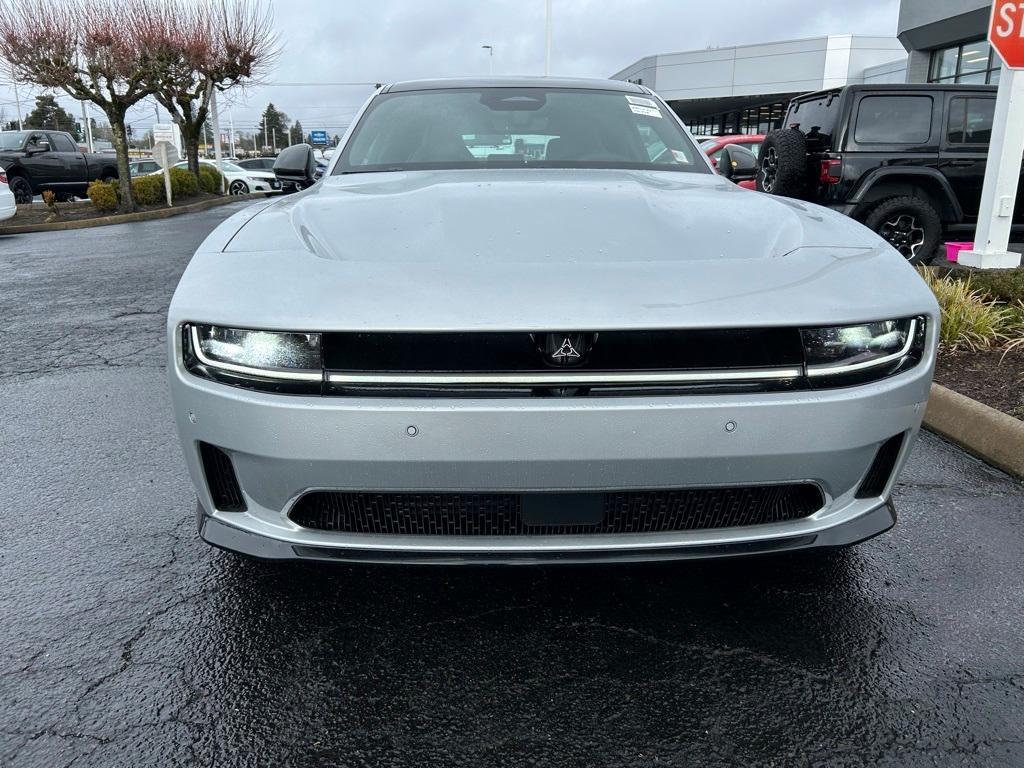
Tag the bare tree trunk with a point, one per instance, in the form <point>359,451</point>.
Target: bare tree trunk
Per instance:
<point>124,176</point>
<point>190,142</point>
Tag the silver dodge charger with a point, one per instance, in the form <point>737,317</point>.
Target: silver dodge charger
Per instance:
<point>525,321</point>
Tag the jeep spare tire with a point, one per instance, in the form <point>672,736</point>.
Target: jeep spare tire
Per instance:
<point>783,167</point>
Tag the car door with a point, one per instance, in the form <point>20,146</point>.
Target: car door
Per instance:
<point>72,170</point>
<point>46,168</point>
<point>963,153</point>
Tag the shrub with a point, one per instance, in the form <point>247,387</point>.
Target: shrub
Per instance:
<point>210,179</point>
<point>183,183</point>
<point>1006,285</point>
<point>149,190</point>
<point>970,321</point>
<point>103,196</point>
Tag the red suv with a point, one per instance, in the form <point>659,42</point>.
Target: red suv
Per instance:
<point>713,149</point>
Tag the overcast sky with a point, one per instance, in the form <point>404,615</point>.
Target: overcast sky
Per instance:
<point>368,41</point>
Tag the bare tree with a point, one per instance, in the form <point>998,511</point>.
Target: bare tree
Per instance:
<point>109,52</point>
<point>223,44</point>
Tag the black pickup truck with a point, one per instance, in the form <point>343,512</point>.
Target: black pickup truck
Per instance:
<point>36,160</point>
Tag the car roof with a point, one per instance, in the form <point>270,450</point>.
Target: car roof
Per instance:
<point>515,82</point>
<point>739,138</point>
<point>896,87</point>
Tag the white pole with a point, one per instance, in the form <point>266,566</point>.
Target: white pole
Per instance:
<point>273,133</point>
<point>547,41</point>
<point>231,130</point>
<point>167,172</point>
<point>1002,177</point>
<point>216,130</point>
<point>85,128</point>
<point>17,103</point>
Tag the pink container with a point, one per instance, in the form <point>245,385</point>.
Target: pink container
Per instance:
<point>953,250</point>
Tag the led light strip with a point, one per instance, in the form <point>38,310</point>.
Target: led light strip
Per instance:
<point>262,373</point>
<point>561,379</point>
<point>831,370</point>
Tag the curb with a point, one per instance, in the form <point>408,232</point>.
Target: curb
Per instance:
<point>991,435</point>
<point>123,218</point>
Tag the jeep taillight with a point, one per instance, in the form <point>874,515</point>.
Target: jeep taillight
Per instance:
<point>831,171</point>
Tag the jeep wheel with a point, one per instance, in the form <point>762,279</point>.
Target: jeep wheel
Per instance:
<point>783,166</point>
<point>910,225</point>
<point>21,189</point>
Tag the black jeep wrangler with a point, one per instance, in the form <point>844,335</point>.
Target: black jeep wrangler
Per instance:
<point>906,160</point>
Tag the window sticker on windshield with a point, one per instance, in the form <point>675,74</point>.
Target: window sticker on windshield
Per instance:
<point>648,111</point>
<point>642,102</point>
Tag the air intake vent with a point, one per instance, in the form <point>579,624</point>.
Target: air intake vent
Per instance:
<point>881,469</point>
<point>501,514</point>
<point>221,480</point>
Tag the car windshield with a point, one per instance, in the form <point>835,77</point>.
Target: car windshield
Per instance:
<point>11,140</point>
<point>708,144</point>
<point>515,127</point>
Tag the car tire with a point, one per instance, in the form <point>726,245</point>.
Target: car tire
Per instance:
<point>21,189</point>
<point>782,168</point>
<point>238,188</point>
<point>909,224</point>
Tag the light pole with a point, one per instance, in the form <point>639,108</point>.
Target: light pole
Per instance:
<point>490,58</point>
<point>547,41</point>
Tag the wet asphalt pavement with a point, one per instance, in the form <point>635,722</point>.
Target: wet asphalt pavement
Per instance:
<point>125,641</point>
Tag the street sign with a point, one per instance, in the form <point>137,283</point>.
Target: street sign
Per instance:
<point>1006,31</point>
<point>163,132</point>
<point>318,137</point>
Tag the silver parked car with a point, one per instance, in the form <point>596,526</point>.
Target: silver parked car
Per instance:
<point>523,320</point>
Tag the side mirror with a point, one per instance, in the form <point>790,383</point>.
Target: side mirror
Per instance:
<point>737,163</point>
<point>297,165</point>
<point>39,146</point>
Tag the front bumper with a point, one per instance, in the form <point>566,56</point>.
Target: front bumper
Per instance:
<point>216,531</point>
<point>282,446</point>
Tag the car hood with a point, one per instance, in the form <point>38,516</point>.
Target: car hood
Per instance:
<point>541,249</point>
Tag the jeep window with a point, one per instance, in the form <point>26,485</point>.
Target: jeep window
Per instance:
<point>970,120</point>
<point>461,128</point>
<point>894,120</point>
<point>12,141</point>
<point>816,118</point>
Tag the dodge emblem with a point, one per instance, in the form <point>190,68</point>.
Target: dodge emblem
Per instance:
<point>565,349</point>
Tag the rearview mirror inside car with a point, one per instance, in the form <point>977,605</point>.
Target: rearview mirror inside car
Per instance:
<point>297,165</point>
<point>737,163</point>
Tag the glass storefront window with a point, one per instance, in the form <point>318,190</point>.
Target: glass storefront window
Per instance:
<point>944,63</point>
<point>973,63</point>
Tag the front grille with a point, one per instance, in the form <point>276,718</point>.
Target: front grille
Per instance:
<point>221,480</point>
<point>500,514</point>
<point>503,352</point>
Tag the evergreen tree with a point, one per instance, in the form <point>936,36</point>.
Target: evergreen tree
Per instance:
<point>49,114</point>
<point>272,121</point>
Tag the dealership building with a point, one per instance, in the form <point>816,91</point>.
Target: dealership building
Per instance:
<point>745,89</point>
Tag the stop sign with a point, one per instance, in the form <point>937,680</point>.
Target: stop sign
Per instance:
<point>1006,31</point>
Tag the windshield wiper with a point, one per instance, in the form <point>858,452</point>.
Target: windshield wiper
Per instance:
<point>373,170</point>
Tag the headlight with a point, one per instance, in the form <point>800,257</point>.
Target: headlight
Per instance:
<point>254,358</point>
<point>872,350</point>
